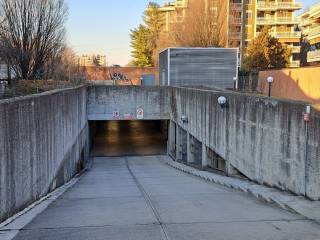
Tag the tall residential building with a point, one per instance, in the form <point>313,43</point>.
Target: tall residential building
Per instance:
<point>279,16</point>
<point>246,19</point>
<point>310,24</point>
<point>176,11</point>
<point>92,60</point>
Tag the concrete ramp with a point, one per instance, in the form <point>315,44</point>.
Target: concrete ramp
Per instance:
<point>137,198</point>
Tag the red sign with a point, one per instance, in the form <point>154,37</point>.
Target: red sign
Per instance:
<point>128,116</point>
<point>306,117</point>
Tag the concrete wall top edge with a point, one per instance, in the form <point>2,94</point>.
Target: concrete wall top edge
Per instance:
<point>38,95</point>
<point>229,93</point>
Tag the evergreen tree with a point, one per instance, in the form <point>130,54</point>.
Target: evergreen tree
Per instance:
<point>144,38</point>
<point>266,52</point>
<point>142,53</point>
<point>154,20</point>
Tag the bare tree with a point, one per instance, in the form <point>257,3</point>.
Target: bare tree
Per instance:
<point>205,24</point>
<point>32,35</point>
<point>65,67</point>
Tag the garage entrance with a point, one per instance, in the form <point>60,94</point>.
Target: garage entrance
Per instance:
<point>127,138</point>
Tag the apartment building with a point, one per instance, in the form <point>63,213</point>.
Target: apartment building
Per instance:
<point>279,17</point>
<point>176,11</point>
<point>92,60</point>
<point>310,24</point>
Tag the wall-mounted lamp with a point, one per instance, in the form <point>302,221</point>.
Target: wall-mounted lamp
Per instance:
<point>270,81</point>
<point>222,101</point>
<point>307,113</point>
<point>184,119</point>
<point>235,83</point>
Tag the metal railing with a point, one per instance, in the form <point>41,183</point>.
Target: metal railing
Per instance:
<point>295,63</point>
<point>313,31</point>
<point>314,56</point>
<point>295,49</point>
<point>284,34</point>
<point>235,35</point>
<point>235,20</point>
<point>279,6</point>
<point>273,21</point>
<point>236,6</point>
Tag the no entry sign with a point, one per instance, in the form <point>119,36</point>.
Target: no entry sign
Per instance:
<point>140,114</point>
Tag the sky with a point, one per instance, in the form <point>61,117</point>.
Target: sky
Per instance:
<point>103,26</point>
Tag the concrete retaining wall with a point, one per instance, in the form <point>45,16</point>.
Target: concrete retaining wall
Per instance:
<point>104,101</point>
<point>263,139</point>
<point>43,143</point>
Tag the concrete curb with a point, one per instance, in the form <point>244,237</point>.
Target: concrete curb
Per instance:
<point>296,204</point>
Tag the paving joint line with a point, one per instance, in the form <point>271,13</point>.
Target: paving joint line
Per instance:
<point>146,196</point>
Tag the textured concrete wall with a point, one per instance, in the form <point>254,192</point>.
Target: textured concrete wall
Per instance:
<point>43,142</point>
<point>103,101</point>
<point>264,139</point>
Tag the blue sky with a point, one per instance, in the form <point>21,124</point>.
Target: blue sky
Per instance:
<point>102,26</point>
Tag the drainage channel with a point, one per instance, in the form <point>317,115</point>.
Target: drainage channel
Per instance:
<point>164,231</point>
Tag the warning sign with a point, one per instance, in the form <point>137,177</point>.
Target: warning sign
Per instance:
<point>140,114</point>
<point>116,115</point>
<point>128,116</point>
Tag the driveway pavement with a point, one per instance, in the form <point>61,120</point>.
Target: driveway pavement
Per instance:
<point>137,198</point>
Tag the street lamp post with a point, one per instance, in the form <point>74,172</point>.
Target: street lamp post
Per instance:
<point>270,81</point>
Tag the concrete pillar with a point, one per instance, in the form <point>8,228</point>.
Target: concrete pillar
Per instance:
<point>178,143</point>
<point>171,145</point>
<point>204,156</point>
<point>190,149</point>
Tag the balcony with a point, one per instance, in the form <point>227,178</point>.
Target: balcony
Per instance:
<point>235,20</point>
<point>294,64</point>
<point>295,49</point>
<point>236,7</point>
<point>284,34</point>
<point>314,56</point>
<point>234,36</point>
<point>314,31</point>
<point>269,6</point>
<point>277,21</point>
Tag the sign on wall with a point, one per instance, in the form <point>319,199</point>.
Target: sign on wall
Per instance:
<point>116,115</point>
<point>140,114</point>
<point>128,116</point>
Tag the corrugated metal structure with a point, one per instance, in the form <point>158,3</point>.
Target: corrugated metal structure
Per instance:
<point>208,67</point>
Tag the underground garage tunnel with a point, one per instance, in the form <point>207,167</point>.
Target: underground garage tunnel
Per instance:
<point>128,138</point>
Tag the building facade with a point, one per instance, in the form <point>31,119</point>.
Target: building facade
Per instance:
<point>246,19</point>
<point>279,17</point>
<point>92,60</point>
<point>310,25</point>
<point>176,11</point>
